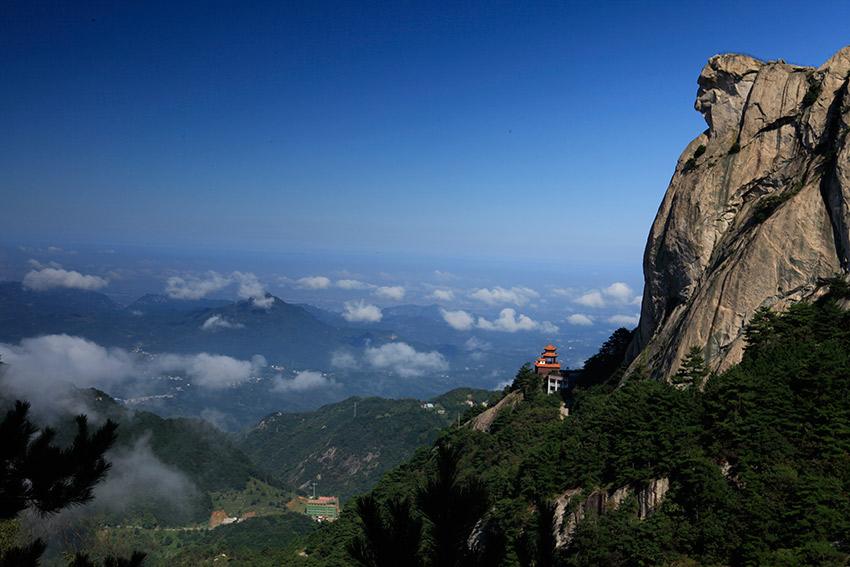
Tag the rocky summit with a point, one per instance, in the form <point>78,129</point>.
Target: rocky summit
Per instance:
<point>757,211</point>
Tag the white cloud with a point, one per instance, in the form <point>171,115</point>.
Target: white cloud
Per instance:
<point>344,360</point>
<point>251,288</point>
<point>360,311</point>
<point>40,361</point>
<point>475,344</point>
<point>562,292</point>
<point>580,320</point>
<point>548,328</point>
<point>515,295</point>
<point>509,322</point>
<point>138,474</point>
<point>443,295</point>
<point>351,284</point>
<point>303,381</point>
<point>53,277</point>
<point>218,322</point>
<point>35,366</point>
<point>213,371</point>
<point>619,292</point>
<point>404,360</point>
<point>624,320</point>
<point>40,266</point>
<point>177,287</point>
<point>459,320</point>
<point>314,282</point>
<point>394,292</point>
<point>591,299</point>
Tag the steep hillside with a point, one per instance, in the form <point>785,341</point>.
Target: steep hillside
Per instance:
<point>754,470</point>
<point>758,208</point>
<point>346,449</point>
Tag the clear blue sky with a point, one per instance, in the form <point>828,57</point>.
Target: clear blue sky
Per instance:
<point>501,129</point>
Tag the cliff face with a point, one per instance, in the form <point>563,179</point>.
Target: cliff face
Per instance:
<point>758,208</point>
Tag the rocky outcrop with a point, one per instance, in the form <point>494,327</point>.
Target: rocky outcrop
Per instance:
<point>569,513</point>
<point>483,421</point>
<point>757,211</point>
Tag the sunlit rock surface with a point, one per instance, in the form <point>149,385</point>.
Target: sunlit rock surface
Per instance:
<point>757,211</point>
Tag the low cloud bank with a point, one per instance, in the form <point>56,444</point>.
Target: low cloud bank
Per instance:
<point>458,320</point>
<point>344,360</point>
<point>302,382</point>
<point>443,295</point>
<point>394,292</point>
<point>177,287</point>
<point>138,474</point>
<point>251,289</point>
<point>396,358</point>
<point>618,293</point>
<point>507,322</point>
<point>518,296</point>
<point>351,284</point>
<point>624,320</point>
<point>36,367</point>
<point>197,287</point>
<point>44,278</point>
<point>217,322</point>
<point>138,480</point>
<point>361,312</point>
<point>314,282</point>
<point>404,360</point>
<point>580,320</point>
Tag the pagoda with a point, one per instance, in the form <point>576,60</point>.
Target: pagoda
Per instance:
<point>549,367</point>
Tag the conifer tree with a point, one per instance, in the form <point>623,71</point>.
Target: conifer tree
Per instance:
<point>605,367</point>
<point>391,535</point>
<point>452,509</point>
<point>527,381</point>
<point>693,370</point>
<point>39,475</point>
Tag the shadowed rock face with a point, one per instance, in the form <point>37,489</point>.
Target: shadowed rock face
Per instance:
<point>758,208</point>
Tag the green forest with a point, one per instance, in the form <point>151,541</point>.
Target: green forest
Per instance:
<point>753,465</point>
<point>758,462</point>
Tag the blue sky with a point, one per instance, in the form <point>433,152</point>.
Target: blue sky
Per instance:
<point>542,131</point>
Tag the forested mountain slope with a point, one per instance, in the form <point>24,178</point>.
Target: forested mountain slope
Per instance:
<point>346,447</point>
<point>752,469</point>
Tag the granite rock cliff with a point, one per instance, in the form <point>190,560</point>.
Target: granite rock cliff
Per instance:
<point>757,211</point>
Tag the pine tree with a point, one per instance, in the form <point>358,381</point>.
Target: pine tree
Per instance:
<point>37,474</point>
<point>452,508</point>
<point>391,536</point>
<point>528,382</point>
<point>693,370</point>
<point>605,367</point>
